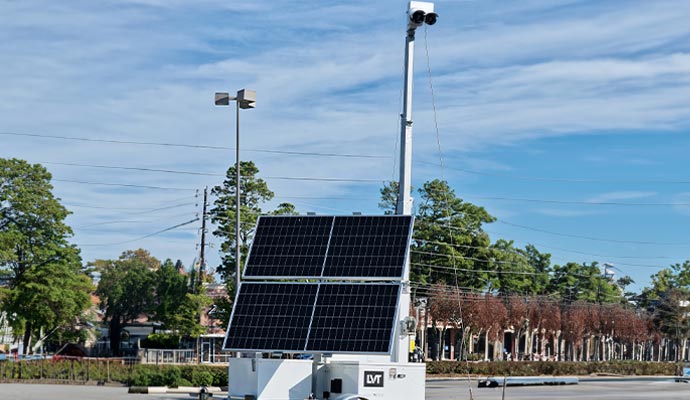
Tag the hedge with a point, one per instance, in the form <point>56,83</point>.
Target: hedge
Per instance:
<point>116,371</point>
<point>120,371</point>
<point>531,368</point>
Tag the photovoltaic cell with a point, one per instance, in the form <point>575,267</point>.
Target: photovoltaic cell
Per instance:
<point>369,247</point>
<point>354,318</point>
<point>329,247</point>
<point>314,317</point>
<point>271,317</point>
<point>289,246</point>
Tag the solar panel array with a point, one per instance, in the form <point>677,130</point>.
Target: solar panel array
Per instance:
<point>325,316</point>
<point>329,247</point>
<point>313,317</point>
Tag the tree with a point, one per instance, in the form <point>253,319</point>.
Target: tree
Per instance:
<point>541,265</point>
<point>574,281</point>
<point>573,326</point>
<point>514,274</point>
<point>517,317</point>
<point>126,290</point>
<point>285,209</point>
<point>444,309</point>
<point>449,240</point>
<point>671,317</point>
<point>175,306</point>
<point>254,193</point>
<point>389,198</point>
<point>491,318</point>
<point>47,286</point>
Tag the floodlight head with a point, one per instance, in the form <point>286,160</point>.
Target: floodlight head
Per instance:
<point>246,98</point>
<point>222,99</point>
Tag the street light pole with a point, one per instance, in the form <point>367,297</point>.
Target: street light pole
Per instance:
<point>237,197</point>
<point>245,99</point>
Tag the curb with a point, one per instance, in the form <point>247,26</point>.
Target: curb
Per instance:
<point>176,390</point>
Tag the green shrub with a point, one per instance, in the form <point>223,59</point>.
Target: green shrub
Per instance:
<point>528,368</point>
<point>161,341</point>
<point>200,378</point>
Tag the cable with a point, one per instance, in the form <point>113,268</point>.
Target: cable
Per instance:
<point>593,254</point>
<point>593,238</point>
<point>194,146</point>
<point>517,253</point>
<point>566,180</point>
<point>169,171</point>
<point>121,208</point>
<point>573,202</point>
<point>143,237</point>
<point>123,185</point>
<point>127,221</point>
<point>293,178</point>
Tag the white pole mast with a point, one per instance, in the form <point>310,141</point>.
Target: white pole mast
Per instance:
<point>418,13</point>
<point>404,206</point>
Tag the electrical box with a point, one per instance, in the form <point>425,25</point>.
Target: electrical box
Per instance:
<point>372,380</point>
<point>269,379</point>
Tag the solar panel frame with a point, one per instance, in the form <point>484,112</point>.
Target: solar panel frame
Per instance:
<point>321,291</point>
<point>329,271</point>
<point>269,222</point>
<point>345,346</point>
<point>403,248</point>
<point>275,334</point>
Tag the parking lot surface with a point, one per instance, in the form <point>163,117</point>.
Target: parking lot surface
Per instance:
<point>611,389</point>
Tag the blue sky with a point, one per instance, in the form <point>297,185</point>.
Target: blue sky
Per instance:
<point>545,109</point>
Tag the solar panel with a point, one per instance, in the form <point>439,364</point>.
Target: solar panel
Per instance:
<point>271,317</point>
<point>369,247</point>
<point>289,246</point>
<point>329,247</point>
<point>313,317</point>
<point>354,318</point>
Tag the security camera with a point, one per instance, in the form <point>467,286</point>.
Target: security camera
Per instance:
<point>419,12</point>
<point>431,18</point>
<point>417,17</point>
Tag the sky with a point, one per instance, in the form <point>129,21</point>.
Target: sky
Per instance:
<point>567,120</point>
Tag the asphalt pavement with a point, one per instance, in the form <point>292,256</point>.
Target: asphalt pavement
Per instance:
<point>448,389</point>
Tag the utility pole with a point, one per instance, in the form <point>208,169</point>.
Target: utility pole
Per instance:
<point>202,258</point>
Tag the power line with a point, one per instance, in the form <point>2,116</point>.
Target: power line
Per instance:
<point>585,253</point>
<point>517,253</point>
<point>142,237</point>
<point>124,185</point>
<point>169,171</point>
<point>292,178</point>
<point>128,221</point>
<point>596,239</point>
<point>194,146</point>
<point>574,202</point>
<point>143,209</point>
<point>566,180</point>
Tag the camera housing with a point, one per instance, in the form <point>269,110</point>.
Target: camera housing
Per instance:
<point>420,12</point>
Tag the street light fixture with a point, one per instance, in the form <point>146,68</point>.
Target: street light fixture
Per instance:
<point>245,99</point>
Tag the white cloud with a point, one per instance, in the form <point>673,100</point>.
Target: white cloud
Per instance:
<point>565,213</point>
<point>619,196</point>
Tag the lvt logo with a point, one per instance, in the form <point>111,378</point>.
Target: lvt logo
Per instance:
<point>373,378</point>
